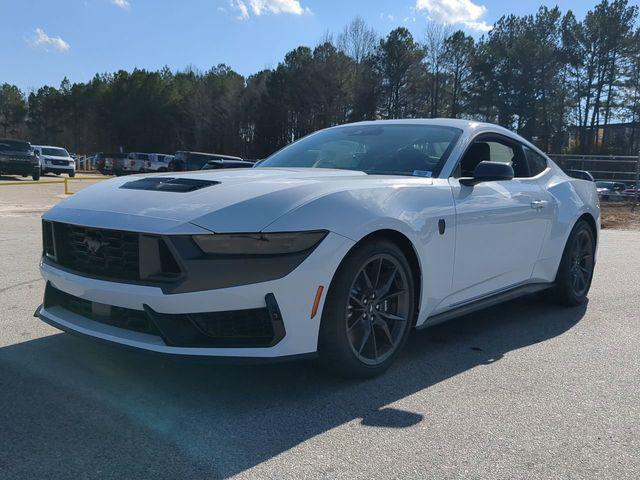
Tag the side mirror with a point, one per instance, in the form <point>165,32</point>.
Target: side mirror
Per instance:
<point>489,172</point>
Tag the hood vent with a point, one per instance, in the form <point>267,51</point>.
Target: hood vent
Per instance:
<point>168,184</point>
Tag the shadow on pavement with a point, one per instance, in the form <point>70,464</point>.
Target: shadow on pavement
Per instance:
<point>70,408</point>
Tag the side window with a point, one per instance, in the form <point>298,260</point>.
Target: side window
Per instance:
<point>537,163</point>
<point>494,150</point>
<point>501,153</point>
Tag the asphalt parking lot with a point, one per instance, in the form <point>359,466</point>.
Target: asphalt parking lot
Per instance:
<point>523,390</point>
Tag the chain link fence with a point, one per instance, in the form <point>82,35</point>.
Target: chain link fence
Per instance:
<point>625,169</point>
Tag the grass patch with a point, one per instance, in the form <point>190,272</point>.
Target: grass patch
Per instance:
<point>624,216</point>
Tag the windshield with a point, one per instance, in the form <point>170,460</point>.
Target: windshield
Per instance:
<point>400,149</point>
<point>14,146</point>
<point>55,152</point>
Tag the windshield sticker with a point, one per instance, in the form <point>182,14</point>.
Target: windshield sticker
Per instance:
<point>423,173</point>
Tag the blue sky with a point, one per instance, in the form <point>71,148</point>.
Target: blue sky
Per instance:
<point>42,41</point>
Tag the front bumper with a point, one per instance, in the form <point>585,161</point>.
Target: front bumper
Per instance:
<point>294,295</point>
<point>59,168</point>
<point>18,168</point>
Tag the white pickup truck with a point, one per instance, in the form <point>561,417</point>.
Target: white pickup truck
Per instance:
<point>158,162</point>
<point>55,160</point>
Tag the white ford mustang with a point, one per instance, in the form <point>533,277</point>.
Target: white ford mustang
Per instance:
<point>336,246</point>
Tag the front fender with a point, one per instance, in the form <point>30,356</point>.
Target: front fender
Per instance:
<point>413,210</point>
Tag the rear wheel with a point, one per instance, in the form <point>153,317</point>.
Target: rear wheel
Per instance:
<point>369,311</point>
<point>575,273</point>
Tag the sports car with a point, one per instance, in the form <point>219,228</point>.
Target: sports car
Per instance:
<point>336,246</point>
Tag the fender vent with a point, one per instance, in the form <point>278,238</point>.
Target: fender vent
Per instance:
<point>168,184</point>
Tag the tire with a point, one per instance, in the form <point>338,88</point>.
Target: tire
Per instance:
<point>35,175</point>
<point>352,309</point>
<point>575,272</point>
<point>72,174</point>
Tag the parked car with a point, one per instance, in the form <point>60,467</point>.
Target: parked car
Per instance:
<point>218,164</point>
<point>110,163</point>
<point>581,174</point>
<point>19,158</point>
<point>337,245</point>
<point>158,163</point>
<point>187,161</point>
<point>630,191</point>
<point>55,160</point>
<point>135,162</point>
<point>605,189</point>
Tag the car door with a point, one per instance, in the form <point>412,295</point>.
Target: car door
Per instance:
<point>500,225</point>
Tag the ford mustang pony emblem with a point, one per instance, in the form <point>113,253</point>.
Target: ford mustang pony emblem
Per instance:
<point>93,244</point>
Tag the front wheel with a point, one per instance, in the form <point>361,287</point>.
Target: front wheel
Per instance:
<point>575,273</point>
<point>368,312</point>
<point>72,174</point>
<point>35,175</point>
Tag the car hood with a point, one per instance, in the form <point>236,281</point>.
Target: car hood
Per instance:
<point>244,200</point>
<point>53,157</point>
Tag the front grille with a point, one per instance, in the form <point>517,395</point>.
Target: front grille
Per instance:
<point>60,162</point>
<point>258,327</point>
<point>120,317</point>
<point>252,326</point>
<point>110,254</point>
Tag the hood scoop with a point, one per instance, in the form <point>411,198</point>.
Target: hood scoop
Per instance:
<point>168,184</point>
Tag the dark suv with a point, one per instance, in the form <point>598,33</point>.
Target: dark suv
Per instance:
<point>186,161</point>
<point>18,158</point>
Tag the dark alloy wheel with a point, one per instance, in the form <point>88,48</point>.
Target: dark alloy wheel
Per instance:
<point>575,273</point>
<point>377,311</point>
<point>368,312</point>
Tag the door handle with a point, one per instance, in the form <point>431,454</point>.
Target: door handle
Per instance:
<point>538,204</point>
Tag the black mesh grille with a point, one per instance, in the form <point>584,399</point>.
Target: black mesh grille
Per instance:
<point>105,253</point>
<point>126,318</point>
<point>241,328</point>
<point>252,325</point>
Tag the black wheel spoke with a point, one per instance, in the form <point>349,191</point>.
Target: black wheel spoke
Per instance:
<point>385,329</point>
<point>389,296</point>
<point>387,285</point>
<point>367,280</point>
<point>391,316</point>
<point>357,301</point>
<point>377,276</point>
<point>365,339</point>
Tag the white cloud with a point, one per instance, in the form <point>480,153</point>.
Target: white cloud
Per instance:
<point>451,12</point>
<point>246,8</point>
<point>123,4</point>
<point>44,41</point>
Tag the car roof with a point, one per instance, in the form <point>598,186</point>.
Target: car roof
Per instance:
<point>465,125</point>
<point>47,146</point>
<point>469,127</point>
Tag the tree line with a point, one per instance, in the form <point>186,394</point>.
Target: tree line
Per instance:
<point>540,75</point>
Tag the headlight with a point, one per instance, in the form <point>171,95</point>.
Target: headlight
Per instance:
<point>259,243</point>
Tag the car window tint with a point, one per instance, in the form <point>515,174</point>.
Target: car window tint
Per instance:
<point>536,162</point>
<point>401,149</point>
<point>501,153</point>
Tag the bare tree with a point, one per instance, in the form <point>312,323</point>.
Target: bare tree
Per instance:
<point>357,41</point>
<point>436,52</point>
